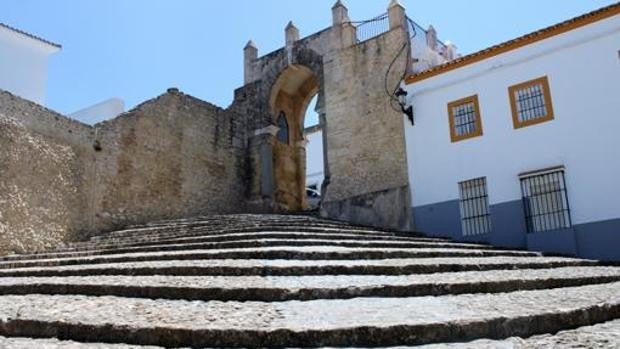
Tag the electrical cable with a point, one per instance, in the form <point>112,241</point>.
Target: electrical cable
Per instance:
<point>392,95</point>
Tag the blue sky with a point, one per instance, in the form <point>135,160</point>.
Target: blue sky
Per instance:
<point>136,49</point>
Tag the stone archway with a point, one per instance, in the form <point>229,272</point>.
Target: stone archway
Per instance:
<point>289,98</point>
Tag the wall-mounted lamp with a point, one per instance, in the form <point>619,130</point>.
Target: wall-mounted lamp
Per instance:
<point>402,101</point>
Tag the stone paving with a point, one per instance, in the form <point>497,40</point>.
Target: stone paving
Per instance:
<point>422,318</point>
<point>601,336</point>
<point>396,266</point>
<point>297,281</point>
<point>275,288</point>
<point>248,243</point>
<point>206,237</point>
<point>31,343</point>
<point>300,252</point>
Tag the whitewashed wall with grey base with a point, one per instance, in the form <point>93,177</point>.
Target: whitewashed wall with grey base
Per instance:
<point>583,69</point>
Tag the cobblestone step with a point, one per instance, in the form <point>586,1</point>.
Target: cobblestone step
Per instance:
<point>151,240</point>
<point>248,219</point>
<point>250,267</point>
<point>601,336</point>
<point>228,222</point>
<point>282,252</point>
<point>154,235</point>
<point>283,288</point>
<point>241,224</point>
<point>249,243</point>
<point>256,280</point>
<point>227,236</point>
<point>354,322</point>
<point>52,343</point>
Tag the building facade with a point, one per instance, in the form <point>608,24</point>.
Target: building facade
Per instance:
<point>517,145</point>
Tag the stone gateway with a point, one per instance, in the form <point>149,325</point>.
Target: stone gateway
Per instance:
<point>177,156</point>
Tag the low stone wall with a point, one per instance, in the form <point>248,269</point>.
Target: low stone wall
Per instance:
<point>173,156</point>
<point>383,209</point>
<point>42,176</point>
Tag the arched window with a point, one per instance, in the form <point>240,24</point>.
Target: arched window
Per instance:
<point>283,131</point>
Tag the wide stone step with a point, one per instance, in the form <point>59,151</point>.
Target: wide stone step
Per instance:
<point>354,322</point>
<point>224,237</point>
<point>52,343</point>
<point>148,240</point>
<point>601,336</point>
<point>283,252</point>
<point>283,288</point>
<point>253,267</point>
<point>236,219</point>
<point>95,251</point>
<point>148,233</point>
<point>234,225</point>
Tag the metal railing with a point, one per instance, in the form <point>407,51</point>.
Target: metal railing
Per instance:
<point>371,28</point>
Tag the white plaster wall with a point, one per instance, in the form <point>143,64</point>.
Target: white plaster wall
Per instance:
<point>314,159</point>
<point>23,65</point>
<point>426,57</point>
<point>583,68</point>
<point>99,112</point>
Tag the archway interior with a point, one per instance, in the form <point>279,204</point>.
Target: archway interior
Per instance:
<point>311,119</point>
<point>315,168</point>
<point>290,97</point>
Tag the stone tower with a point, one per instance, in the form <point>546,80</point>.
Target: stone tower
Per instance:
<point>364,150</point>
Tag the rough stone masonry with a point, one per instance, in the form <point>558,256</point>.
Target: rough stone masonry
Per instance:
<point>177,156</point>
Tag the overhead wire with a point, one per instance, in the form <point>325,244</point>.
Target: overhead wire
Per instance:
<point>407,44</point>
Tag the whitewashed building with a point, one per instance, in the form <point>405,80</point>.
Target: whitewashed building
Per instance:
<point>517,145</point>
<point>99,112</point>
<point>315,173</point>
<point>24,63</point>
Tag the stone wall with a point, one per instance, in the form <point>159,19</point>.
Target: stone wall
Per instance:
<point>173,156</point>
<point>365,137</point>
<point>44,159</point>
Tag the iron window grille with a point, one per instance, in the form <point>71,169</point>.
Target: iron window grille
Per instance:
<point>545,200</point>
<point>464,119</point>
<point>531,102</point>
<point>474,206</point>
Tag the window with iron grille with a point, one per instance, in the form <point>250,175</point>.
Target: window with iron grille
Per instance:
<point>474,204</point>
<point>464,119</point>
<point>531,102</point>
<point>545,200</point>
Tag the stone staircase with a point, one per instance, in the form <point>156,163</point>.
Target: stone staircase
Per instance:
<point>300,281</point>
